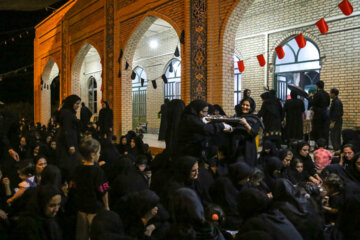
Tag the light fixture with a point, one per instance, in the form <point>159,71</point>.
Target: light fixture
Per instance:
<point>153,44</point>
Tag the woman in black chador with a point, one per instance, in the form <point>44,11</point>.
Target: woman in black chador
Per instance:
<point>294,109</point>
<point>194,133</point>
<point>163,121</point>
<point>271,113</point>
<point>105,123</point>
<point>243,139</point>
<point>68,138</point>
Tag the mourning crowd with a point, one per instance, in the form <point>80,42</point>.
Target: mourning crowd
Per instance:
<point>73,179</point>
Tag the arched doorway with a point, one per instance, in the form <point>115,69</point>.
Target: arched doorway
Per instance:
<point>50,90</point>
<point>300,66</point>
<point>151,46</point>
<point>86,77</point>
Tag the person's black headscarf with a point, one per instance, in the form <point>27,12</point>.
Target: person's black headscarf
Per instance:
<point>51,175</point>
<point>307,161</point>
<point>293,94</point>
<point>195,107</point>
<point>284,191</point>
<point>264,155</point>
<point>272,164</point>
<point>70,101</point>
<point>173,117</point>
<point>139,203</point>
<point>186,208</point>
<point>252,202</point>
<point>239,171</point>
<point>238,110</point>
<point>352,171</point>
<point>219,108</point>
<point>107,225</point>
<point>183,168</point>
<point>246,92</point>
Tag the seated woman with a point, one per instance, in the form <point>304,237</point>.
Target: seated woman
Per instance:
<point>194,131</point>
<point>253,207</point>
<point>188,217</point>
<point>302,153</point>
<point>39,222</point>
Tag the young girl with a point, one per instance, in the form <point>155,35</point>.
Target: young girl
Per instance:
<point>26,173</point>
<point>89,188</point>
<point>297,173</point>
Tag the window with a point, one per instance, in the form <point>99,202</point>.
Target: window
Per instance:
<point>92,86</point>
<point>172,89</point>
<point>237,81</point>
<point>139,97</point>
<point>300,66</point>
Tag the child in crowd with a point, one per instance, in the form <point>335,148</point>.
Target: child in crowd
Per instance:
<point>26,174</point>
<point>333,186</point>
<point>88,188</point>
<point>297,173</point>
<point>322,156</point>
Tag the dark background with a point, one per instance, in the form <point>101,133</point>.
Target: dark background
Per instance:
<point>16,89</point>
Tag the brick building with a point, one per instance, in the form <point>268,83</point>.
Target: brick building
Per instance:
<point>82,42</point>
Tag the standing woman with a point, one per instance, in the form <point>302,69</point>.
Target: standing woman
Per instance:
<point>68,137</point>
<point>105,123</point>
<point>243,140</point>
<point>294,109</point>
<point>195,132</point>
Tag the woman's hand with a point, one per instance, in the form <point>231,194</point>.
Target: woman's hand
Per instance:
<point>71,150</point>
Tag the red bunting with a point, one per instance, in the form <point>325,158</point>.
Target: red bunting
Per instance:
<point>346,8</point>
<point>322,25</point>
<point>261,60</point>
<point>102,87</point>
<point>241,66</point>
<point>300,40</point>
<point>280,52</point>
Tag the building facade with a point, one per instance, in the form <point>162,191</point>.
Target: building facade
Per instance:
<point>94,46</point>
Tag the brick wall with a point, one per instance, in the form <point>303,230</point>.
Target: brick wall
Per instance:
<point>340,50</point>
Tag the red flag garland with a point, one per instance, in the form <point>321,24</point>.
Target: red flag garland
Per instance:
<point>280,52</point>
<point>346,8</point>
<point>322,26</point>
<point>102,87</point>
<point>241,66</point>
<point>261,60</point>
<point>300,40</point>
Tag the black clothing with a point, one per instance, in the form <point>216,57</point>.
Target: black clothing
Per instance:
<point>224,194</point>
<point>336,113</point>
<point>272,115</point>
<point>188,216</point>
<point>294,109</point>
<point>88,186</point>
<point>33,224</point>
<point>68,136</point>
<point>264,156</point>
<point>270,166</point>
<point>243,142</point>
<point>105,122</point>
<point>321,123</point>
<point>309,165</point>
<point>297,209</point>
<point>352,171</point>
<point>193,132</point>
<point>163,121</point>
<point>173,117</point>
<point>85,115</point>
<point>253,206</point>
<point>107,225</point>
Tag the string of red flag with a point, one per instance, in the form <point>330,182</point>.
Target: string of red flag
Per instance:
<point>345,7</point>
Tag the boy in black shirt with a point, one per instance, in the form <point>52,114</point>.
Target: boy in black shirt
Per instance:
<point>89,188</point>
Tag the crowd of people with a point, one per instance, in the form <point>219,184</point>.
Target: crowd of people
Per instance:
<point>72,179</point>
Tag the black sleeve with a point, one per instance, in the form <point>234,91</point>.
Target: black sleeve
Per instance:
<point>69,129</point>
<point>102,186</point>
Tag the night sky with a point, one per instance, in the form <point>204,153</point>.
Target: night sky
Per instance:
<point>18,87</point>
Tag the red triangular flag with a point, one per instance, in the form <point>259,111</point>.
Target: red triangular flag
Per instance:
<point>261,60</point>
<point>300,40</point>
<point>346,8</point>
<point>102,87</point>
<point>322,26</point>
<point>280,52</point>
<point>241,66</point>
